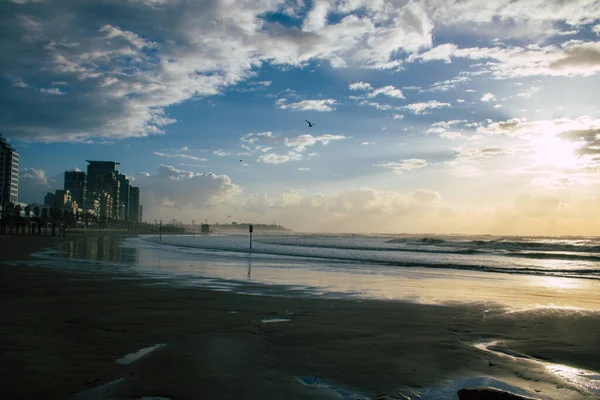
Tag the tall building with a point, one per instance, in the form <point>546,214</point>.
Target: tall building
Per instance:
<point>102,178</point>
<point>135,208</point>
<point>57,199</point>
<point>76,183</point>
<point>124,193</point>
<point>9,173</point>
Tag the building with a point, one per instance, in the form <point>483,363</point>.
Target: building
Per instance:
<point>102,181</point>
<point>124,194</point>
<point>76,183</point>
<point>57,199</point>
<point>135,208</point>
<point>106,207</point>
<point>9,174</point>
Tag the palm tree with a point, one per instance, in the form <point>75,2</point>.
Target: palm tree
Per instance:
<point>28,211</point>
<point>17,210</point>
<point>36,211</point>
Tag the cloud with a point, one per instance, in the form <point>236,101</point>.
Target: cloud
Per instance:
<point>54,91</point>
<point>34,184</point>
<point>441,52</point>
<point>272,158</point>
<point>596,29</point>
<point>179,155</point>
<point>528,130</point>
<point>398,116</point>
<point>305,169</point>
<point>360,86</point>
<point>128,62</point>
<point>530,92</point>
<point>172,189</point>
<point>589,139</point>
<point>424,107</point>
<point>400,167</point>
<point>303,141</point>
<point>251,142</point>
<point>368,143</point>
<point>389,90</point>
<point>221,153</point>
<point>488,97</point>
<point>326,105</point>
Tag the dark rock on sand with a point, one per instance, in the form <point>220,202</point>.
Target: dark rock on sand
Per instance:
<point>484,393</point>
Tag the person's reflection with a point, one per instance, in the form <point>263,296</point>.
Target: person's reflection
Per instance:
<point>249,268</point>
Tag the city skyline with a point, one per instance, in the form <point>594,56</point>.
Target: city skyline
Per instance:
<point>429,116</point>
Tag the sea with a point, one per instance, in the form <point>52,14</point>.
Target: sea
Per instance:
<point>511,271</point>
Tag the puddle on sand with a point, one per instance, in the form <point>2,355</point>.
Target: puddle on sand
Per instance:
<point>275,320</point>
<point>129,358</point>
<point>100,392</point>
<point>344,394</point>
<point>450,390</point>
<point>579,377</point>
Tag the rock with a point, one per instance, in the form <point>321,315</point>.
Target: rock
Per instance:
<point>488,393</point>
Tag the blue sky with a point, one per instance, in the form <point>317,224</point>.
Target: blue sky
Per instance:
<point>430,116</point>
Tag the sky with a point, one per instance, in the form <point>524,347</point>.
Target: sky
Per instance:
<point>444,116</point>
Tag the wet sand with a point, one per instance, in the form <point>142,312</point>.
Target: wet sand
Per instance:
<point>63,333</point>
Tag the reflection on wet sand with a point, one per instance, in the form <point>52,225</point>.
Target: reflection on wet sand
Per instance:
<point>423,285</point>
<point>101,248</point>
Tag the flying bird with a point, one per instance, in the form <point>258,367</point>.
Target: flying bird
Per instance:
<point>240,160</point>
<point>310,125</point>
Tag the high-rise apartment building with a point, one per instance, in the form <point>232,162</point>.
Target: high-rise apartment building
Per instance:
<point>76,183</point>
<point>9,173</point>
<point>124,194</point>
<point>135,208</point>
<point>102,177</point>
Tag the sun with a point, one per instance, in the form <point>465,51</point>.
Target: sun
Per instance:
<point>556,152</point>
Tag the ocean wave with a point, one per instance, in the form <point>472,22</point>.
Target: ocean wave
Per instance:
<point>365,258</point>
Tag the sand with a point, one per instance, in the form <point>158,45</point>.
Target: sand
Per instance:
<point>64,331</point>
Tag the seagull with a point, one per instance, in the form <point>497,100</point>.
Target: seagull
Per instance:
<point>310,125</point>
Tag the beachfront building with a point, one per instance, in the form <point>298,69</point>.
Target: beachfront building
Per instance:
<point>103,184</point>
<point>106,207</point>
<point>124,196</point>
<point>57,199</point>
<point>9,173</point>
<point>135,208</point>
<point>76,183</point>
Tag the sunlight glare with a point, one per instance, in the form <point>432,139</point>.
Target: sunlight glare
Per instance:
<point>556,152</point>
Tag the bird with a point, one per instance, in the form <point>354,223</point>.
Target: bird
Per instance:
<point>240,160</point>
<point>310,125</point>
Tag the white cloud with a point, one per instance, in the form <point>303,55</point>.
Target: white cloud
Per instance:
<point>398,116</point>
<point>528,93</point>
<point>360,86</point>
<point>424,107</point>
<point>171,188</point>
<point>179,155</point>
<point>303,141</point>
<point>441,52</point>
<point>389,91</point>
<point>596,29</point>
<point>326,105</point>
<point>368,143</point>
<point>272,158</point>
<point>53,91</point>
<point>488,97</point>
<point>400,167</point>
<point>221,153</point>
<point>305,169</point>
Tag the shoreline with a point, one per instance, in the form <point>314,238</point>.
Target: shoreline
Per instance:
<point>63,332</point>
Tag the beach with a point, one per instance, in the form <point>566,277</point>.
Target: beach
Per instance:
<point>76,333</point>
